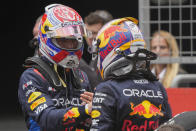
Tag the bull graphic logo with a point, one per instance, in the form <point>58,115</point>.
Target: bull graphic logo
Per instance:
<point>68,117</point>
<point>112,30</point>
<point>146,109</point>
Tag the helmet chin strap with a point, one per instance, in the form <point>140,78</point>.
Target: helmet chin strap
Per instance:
<point>76,79</point>
<point>140,54</point>
<point>63,83</point>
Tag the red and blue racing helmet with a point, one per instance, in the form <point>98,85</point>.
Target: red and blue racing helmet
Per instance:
<point>61,33</point>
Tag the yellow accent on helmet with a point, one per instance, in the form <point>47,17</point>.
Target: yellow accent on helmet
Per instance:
<point>46,23</point>
<point>119,21</point>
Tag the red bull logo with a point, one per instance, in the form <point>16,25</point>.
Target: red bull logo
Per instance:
<point>146,109</point>
<point>109,32</point>
<point>73,113</point>
<point>112,44</point>
<point>68,115</point>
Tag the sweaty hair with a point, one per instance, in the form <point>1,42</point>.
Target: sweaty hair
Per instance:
<point>98,16</point>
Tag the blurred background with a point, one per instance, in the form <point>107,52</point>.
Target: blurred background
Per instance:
<point>18,19</point>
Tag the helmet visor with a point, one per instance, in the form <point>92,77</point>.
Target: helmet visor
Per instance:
<point>71,44</point>
<point>66,31</point>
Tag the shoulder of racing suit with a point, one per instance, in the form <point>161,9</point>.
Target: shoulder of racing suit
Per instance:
<point>34,81</point>
<point>46,69</point>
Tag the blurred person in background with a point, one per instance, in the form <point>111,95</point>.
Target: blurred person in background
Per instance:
<point>34,42</point>
<point>164,44</point>
<point>93,21</point>
<point>53,93</point>
<point>131,97</point>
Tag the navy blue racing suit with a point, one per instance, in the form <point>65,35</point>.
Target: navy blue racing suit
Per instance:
<point>48,109</point>
<point>129,105</point>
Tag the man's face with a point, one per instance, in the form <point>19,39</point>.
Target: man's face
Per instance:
<point>94,29</point>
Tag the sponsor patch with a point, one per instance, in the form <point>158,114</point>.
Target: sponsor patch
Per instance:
<point>95,122</point>
<point>129,125</point>
<point>100,94</point>
<point>95,114</point>
<point>143,81</point>
<point>76,112</point>
<point>98,100</point>
<point>40,108</point>
<point>33,96</point>
<point>142,93</point>
<point>146,109</point>
<point>71,113</point>
<point>66,102</point>
<point>51,89</point>
<point>37,102</point>
<point>30,90</point>
<point>27,84</point>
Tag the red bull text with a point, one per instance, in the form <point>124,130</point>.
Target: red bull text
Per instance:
<point>113,43</point>
<point>128,125</point>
